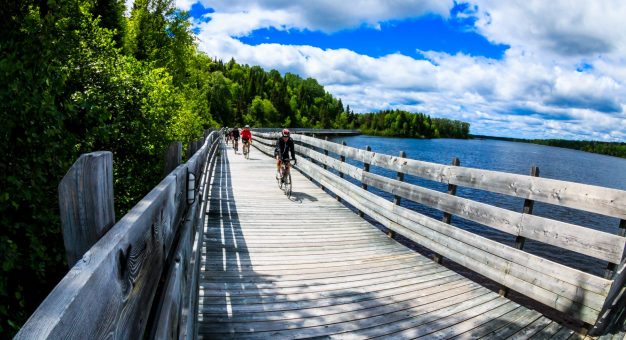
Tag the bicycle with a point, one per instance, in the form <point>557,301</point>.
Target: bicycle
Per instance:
<point>246,149</point>
<point>236,145</point>
<point>284,180</point>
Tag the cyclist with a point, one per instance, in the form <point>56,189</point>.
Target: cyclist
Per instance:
<point>246,137</point>
<point>226,134</point>
<point>235,138</point>
<point>284,146</point>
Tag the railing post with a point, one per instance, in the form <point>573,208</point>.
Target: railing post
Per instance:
<point>447,217</point>
<point>366,168</point>
<point>396,198</point>
<point>610,268</point>
<point>343,159</point>
<point>520,240</point>
<point>86,203</point>
<point>325,166</point>
<point>173,157</point>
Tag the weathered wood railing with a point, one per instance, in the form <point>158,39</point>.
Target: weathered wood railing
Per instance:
<point>597,301</point>
<point>144,268</point>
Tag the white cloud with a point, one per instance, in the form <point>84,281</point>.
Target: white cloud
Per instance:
<point>566,28</point>
<point>534,91</point>
<point>323,15</point>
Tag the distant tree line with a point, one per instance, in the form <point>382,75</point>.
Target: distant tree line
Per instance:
<point>616,149</point>
<point>605,148</point>
<point>399,123</point>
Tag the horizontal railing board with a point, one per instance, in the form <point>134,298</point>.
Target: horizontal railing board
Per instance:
<point>457,255</point>
<point>102,283</point>
<point>583,240</point>
<point>605,201</point>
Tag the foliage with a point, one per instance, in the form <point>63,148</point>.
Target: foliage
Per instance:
<point>615,149</point>
<point>399,123</point>
<point>605,148</point>
<point>67,88</point>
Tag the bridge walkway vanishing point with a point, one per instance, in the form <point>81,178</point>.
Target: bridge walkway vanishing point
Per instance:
<point>307,266</point>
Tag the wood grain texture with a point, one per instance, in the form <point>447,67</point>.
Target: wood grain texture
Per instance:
<point>86,203</point>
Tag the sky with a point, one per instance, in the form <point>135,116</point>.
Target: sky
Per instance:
<point>524,69</point>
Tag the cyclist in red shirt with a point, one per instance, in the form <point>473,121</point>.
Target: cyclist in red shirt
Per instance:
<point>246,139</point>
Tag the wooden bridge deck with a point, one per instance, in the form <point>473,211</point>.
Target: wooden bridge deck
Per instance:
<point>275,267</point>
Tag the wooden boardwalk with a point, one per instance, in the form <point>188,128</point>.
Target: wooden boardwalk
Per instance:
<point>275,267</point>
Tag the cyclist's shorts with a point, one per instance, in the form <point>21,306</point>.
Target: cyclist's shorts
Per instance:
<point>245,140</point>
<point>236,138</point>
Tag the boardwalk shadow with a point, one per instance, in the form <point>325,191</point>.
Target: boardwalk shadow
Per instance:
<point>231,289</point>
<point>301,197</point>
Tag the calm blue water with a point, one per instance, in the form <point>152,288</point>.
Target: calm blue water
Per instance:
<point>556,163</point>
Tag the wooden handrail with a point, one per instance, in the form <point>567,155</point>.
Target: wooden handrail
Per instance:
<point>605,201</point>
<point>585,296</point>
<point>110,292</point>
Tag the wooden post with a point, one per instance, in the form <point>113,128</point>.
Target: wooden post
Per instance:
<point>173,157</point>
<point>447,217</point>
<point>396,198</point>
<point>610,268</point>
<point>366,168</point>
<point>325,166</point>
<point>343,159</point>
<point>520,240</point>
<point>190,149</point>
<point>86,203</point>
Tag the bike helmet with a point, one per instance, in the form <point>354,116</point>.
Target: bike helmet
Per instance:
<point>285,133</point>
<point>247,126</point>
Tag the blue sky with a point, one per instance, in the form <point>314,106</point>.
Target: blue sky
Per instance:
<point>509,68</point>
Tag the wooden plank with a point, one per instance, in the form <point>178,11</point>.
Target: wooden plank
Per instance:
<point>213,300</point>
<point>362,303</point>
<point>563,334</point>
<point>324,325</point>
<point>476,318</point>
<point>86,203</point>
<point>257,304</point>
<point>493,325</point>
<point>532,329</point>
<point>504,332</point>
<point>548,332</point>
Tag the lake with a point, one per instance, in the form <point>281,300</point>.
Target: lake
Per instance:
<point>512,157</point>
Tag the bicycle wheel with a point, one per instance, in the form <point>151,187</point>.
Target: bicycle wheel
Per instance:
<point>287,185</point>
